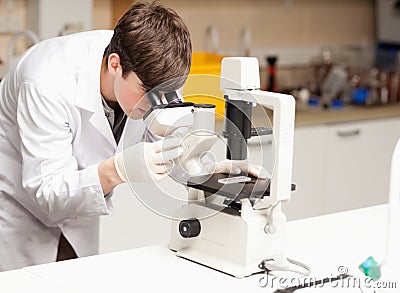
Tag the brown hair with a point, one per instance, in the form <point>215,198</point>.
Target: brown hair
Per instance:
<point>154,42</point>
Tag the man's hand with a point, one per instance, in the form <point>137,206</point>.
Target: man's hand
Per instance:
<point>146,161</point>
<point>237,167</point>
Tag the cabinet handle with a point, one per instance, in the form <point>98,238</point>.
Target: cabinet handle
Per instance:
<point>345,133</point>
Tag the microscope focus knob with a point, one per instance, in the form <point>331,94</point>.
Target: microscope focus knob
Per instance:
<point>189,228</point>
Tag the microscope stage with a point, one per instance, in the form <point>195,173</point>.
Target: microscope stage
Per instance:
<point>247,187</point>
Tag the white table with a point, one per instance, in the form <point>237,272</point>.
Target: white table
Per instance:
<point>17,281</point>
<point>325,243</point>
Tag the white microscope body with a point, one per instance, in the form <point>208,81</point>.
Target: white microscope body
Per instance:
<point>193,123</point>
<point>238,241</point>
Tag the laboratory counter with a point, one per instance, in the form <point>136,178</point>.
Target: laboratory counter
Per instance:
<point>331,244</point>
<point>311,115</point>
<point>308,115</point>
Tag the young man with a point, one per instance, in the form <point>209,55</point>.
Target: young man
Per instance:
<point>62,112</point>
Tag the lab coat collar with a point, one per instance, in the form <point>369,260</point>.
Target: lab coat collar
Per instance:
<point>88,95</point>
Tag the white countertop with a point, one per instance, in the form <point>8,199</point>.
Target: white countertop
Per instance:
<point>325,243</point>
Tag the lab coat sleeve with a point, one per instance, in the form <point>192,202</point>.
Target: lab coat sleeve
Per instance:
<point>50,173</point>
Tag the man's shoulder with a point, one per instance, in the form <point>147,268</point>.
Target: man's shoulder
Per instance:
<point>56,63</point>
<point>74,44</point>
<point>94,33</point>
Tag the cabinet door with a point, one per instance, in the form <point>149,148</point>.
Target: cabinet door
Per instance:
<point>141,217</point>
<point>358,163</point>
<point>308,155</point>
<point>308,172</point>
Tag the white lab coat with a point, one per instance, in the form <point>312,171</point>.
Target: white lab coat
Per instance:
<point>53,135</point>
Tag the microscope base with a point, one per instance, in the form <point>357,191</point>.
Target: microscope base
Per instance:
<point>231,243</point>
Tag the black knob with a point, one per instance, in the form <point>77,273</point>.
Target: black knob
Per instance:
<point>189,228</point>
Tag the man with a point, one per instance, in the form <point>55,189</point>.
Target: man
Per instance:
<point>56,144</point>
<point>63,110</point>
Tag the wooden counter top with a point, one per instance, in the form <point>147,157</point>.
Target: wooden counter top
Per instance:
<point>306,115</point>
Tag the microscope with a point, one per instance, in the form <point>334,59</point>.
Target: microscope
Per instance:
<point>246,233</point>
<point>231,222</point>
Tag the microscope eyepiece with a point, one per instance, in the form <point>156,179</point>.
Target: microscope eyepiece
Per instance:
<point>205,106</point>
<point>154,98</point>
<point>172,97</point>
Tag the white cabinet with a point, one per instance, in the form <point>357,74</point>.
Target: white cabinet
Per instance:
<point>309,152</point>
<point>51,18</point>
<point>342,166</point>
<point>387,20</point>
<point>141,215</point>
<point>358,163</point>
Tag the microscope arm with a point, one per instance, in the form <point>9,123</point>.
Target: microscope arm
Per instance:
<point>283,107</point>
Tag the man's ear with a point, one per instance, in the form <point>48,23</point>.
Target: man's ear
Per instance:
<point>114,64</point>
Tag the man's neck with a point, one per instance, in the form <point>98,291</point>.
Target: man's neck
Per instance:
<point>113,105</point>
